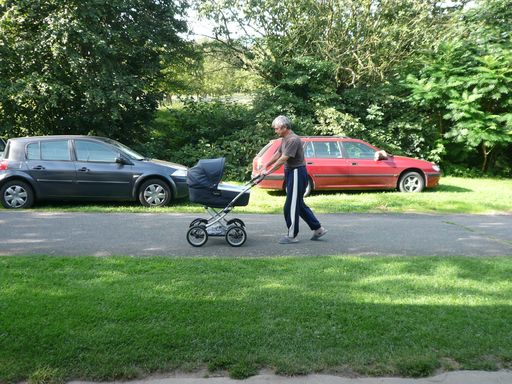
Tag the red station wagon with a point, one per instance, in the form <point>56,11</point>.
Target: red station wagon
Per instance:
<point>342,163</point>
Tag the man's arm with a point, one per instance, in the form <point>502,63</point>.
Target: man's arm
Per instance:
<point>273,159</point>
<point>277,160</point>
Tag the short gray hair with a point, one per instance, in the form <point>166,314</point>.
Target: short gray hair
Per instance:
<point>282,121</point>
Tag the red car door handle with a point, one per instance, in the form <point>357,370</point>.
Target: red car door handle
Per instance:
<point>310,163</point>
<point>354,163</point>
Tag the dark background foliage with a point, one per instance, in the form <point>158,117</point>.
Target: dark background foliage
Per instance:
<point>84,66</point>
<point>420,78</point>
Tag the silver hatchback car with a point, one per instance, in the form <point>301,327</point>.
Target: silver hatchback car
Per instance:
<point>85,168</point>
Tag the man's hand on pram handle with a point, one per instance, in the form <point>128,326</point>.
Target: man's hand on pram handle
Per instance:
<point>258,178</point>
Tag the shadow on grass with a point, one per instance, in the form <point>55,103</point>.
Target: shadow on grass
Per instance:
<point>450,188</point>
<point>118,317</point>
<point>103,204</point>
<point>440,188</point>
<point>334,192</point>
<point>81,204</point>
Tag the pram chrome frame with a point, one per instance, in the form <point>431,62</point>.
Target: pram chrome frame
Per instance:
<point>217,225</point>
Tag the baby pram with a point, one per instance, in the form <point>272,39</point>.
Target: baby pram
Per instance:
<point>205,187</point>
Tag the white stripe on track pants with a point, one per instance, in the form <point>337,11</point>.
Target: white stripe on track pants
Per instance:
<point>296,180</point>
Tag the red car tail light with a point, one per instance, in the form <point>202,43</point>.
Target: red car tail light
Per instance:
<point>3,165</point>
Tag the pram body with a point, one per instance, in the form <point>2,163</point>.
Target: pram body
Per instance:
<point>206,188</point>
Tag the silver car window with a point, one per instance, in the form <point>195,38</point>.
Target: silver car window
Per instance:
<point>126,150</point>
<point>326,149</point>
<point>91,151</point>
<point>55,150</point>
<point>357,150</point>
<point>33,152</point>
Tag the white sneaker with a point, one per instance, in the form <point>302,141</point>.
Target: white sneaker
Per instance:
<point>319,233</point>
<point>288,240</point>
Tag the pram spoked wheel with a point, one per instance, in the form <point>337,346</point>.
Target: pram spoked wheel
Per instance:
<point>236,235</point>
<point>197,236</point>
<point>198,221</point>
<point>236,221</point>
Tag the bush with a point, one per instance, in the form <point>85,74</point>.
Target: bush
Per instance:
<point>208,129</point>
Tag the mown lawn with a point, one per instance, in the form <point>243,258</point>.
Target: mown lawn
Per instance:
<point>454,195</point>
<point>122,317</point>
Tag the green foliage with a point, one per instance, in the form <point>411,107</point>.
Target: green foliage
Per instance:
<point>208,71</point>
<point>207,130</point>
<point>461,171</point>
<point>184,76</point>
<point>387,120</point>
<point>333,122</point>
<point>362,41</point>
<point>84,67</point>
<point>468,82</point>
<point>223,74</point>
<point>410,76</point>
<point>337,77</point>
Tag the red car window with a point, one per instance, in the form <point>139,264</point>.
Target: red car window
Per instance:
<point>357,150</point>
<point>326,149</point>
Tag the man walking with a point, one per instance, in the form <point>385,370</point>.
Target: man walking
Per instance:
<point>291,154</point>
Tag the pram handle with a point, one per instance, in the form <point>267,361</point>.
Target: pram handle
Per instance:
<point>251,183</point>
<point>257,179</point>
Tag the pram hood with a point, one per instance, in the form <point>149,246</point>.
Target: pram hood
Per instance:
<point>207,173</point>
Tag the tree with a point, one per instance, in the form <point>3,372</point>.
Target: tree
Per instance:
<point>84,66</point>
<point>223,75</point>
<point>364,40</point>
<point>315,55</point>
<point>467,82</point>
<point>210,71</point>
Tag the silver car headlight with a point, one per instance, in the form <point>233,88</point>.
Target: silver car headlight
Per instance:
<point>180,172</point>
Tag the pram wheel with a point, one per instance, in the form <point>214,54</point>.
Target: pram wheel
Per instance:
<point>238,222</point>
<point>236,235</point>
<point>197,236</point>
<point>198,221</point>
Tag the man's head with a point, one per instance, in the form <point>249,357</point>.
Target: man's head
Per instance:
<point>282,125</point>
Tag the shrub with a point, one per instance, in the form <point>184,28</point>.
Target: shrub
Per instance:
<point>208,129</point>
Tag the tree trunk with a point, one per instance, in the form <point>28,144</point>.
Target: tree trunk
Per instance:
<point>485,153</point>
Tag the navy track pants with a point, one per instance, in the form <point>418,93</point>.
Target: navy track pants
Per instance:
<point>296,180</point>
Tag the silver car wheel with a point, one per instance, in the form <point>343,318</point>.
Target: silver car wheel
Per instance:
<point>15,196</point>
<point>154,194</point>
<point>411,182</point>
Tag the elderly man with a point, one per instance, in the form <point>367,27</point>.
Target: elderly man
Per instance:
<point>291,154</point>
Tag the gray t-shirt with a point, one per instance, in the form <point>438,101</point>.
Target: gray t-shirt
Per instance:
<point>291,146</point>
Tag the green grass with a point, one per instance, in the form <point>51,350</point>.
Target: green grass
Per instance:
<point>454,195</point>
<point>121,317</point>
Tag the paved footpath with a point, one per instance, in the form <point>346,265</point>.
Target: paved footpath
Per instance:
<point>148,234</point>
<point>460,377</point>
